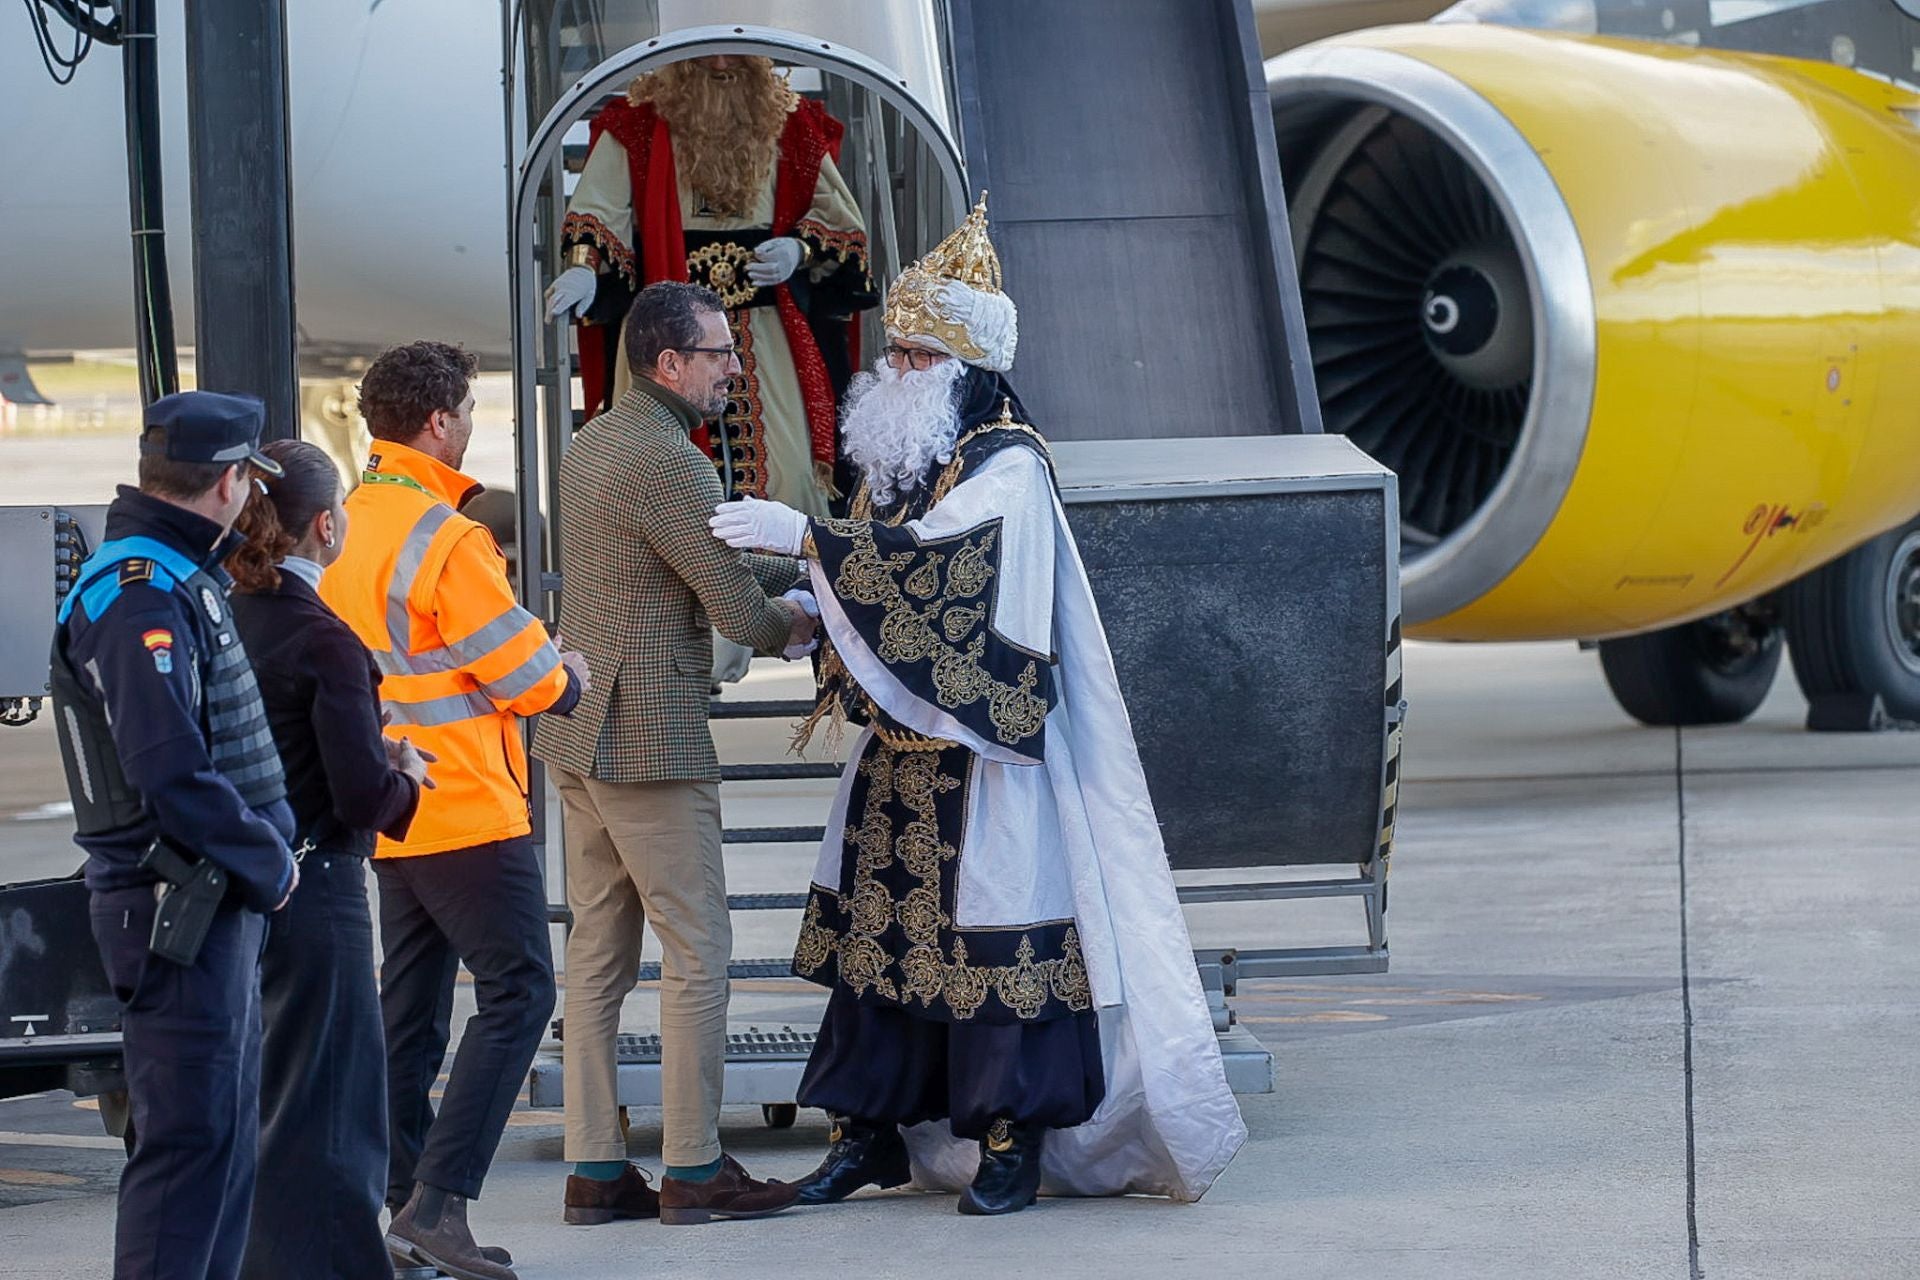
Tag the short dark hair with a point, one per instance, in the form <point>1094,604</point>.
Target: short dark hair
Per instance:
<point>407,385</point>
<point>165,477</point>
<point>665,316</point>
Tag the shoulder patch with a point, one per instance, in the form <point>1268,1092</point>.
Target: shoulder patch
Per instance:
<point>137,570</point>
<point>159,643</point>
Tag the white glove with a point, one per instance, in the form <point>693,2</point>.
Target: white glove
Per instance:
<point>572,290</point>
<point>752,524</point>
<point>804,598</point>
<point>774,261</point>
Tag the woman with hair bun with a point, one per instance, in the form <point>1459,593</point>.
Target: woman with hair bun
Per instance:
<point>323,1090</point>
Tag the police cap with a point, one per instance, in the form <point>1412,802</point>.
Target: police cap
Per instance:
<point>206,426</point>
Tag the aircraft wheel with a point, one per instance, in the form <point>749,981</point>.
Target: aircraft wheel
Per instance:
<point>1714,671</point>
<point>779,1115</point>
<point>1854,624</point>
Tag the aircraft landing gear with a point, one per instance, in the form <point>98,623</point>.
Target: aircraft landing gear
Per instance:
<point>1714,671</point>
<point>1853,626</point>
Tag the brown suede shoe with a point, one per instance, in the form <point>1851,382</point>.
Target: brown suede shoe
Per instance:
<point>728,1194</point>
<point>448,1244</point>
<point>591,1202</point>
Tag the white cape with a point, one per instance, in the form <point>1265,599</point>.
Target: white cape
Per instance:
<point>1075,835</point>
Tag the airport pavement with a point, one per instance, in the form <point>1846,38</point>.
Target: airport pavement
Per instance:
<point>1650,1014</point>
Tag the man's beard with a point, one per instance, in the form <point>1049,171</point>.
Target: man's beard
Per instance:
<point>725,127</point>
<point>899,422</point>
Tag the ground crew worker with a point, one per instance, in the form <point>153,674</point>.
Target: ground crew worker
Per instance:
<point>426,590</point>
<point>181,808</point>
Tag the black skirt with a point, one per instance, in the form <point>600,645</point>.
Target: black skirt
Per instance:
<point>882,1064</point>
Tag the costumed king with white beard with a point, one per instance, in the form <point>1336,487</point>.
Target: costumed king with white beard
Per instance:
<point>1015,1004</point>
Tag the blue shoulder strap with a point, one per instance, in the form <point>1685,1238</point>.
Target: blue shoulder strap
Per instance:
<point>97,590</point>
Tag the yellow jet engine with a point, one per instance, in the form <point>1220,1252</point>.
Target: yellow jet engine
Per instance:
<point>1638,326</point>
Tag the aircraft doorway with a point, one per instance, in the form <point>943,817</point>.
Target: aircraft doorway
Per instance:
<point>896,155</point>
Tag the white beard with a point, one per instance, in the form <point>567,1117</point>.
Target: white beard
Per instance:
<point>898,422</point>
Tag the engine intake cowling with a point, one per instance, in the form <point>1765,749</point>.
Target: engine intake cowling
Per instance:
<point>1634,323</point>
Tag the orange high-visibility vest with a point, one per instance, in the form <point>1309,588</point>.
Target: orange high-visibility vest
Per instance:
<point>426,590</point>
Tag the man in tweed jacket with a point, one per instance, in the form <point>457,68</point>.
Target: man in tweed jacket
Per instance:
<point>644,584</point>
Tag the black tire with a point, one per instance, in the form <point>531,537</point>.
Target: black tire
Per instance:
<point>1854,624</point>
<point>1714,671</point>
<point>779,1115</point>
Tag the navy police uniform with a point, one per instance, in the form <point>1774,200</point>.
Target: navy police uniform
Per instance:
<point>165,740</point>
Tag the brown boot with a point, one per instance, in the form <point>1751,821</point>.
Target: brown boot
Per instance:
<point>591,1202</point>
<point>447,1244</point>
<point>728,1194</point>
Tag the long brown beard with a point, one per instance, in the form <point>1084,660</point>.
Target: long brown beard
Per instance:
<point>724,130</point>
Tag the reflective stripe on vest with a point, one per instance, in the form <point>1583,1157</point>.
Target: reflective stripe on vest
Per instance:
<point>398,660</point>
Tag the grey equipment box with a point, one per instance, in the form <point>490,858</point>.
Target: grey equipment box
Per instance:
<point>1250,591</point>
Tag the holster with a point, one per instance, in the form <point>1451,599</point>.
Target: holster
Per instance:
<point>191,893</point>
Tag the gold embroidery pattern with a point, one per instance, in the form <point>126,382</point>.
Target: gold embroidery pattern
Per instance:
<point>744,418</point>
<point>839,693</point>
<point>584,228</point>
<point>908,632</point>
<point>816,940</point>
<point>1000,1136</point>
<point>722,267</point>
<point>1025,987</point>
<point>828,242</point>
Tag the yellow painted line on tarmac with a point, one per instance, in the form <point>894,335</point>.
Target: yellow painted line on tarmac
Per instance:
<point>74,1140</point>
<point>38,1178</point>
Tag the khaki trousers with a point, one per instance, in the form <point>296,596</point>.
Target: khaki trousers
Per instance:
<point>640,851</point>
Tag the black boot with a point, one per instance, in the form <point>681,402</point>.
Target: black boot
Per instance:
<point>863,1153</point>
<point>1009,1176</point>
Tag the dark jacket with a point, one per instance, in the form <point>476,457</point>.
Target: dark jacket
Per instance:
<point>146,650</point>
<point>322,696</point>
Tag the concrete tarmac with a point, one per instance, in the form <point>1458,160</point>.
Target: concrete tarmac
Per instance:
<point>1651,1004</point>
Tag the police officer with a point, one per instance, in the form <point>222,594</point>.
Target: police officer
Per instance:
<point>181,808</point>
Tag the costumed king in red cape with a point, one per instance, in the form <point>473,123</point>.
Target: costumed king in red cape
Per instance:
<point>713,170</point>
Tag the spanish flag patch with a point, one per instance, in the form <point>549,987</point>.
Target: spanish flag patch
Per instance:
<point>159,642</point>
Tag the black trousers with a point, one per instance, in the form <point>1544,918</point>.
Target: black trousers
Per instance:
<point>484,907</point>
<point>192,1048</point>
<point>881,1063</point>
<point>323,1084</point>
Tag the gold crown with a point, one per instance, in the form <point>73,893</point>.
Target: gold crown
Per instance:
<point>914,306</point>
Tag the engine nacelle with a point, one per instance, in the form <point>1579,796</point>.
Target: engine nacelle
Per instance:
<point>1638,325</point>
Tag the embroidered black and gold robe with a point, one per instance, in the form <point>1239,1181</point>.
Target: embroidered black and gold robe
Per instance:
<point>987,850</point>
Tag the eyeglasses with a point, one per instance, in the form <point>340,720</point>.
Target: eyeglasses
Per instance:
<point>723,352</point>
<point>920,358</point>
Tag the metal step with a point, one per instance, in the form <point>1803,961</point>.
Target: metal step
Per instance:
<point>753,1043</point>
<point>785,709</point>
<point>765,1068</point>
<point>773,835</point>
<point>1296,962</point>
<point>1280,889</point>
<point>777,772</point>
<point>766,902</point>
<point>650,971</point>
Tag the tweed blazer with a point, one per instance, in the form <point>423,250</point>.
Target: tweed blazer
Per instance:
<point>643,584</point>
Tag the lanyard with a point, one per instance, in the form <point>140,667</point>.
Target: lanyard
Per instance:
<point>377,477</point>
